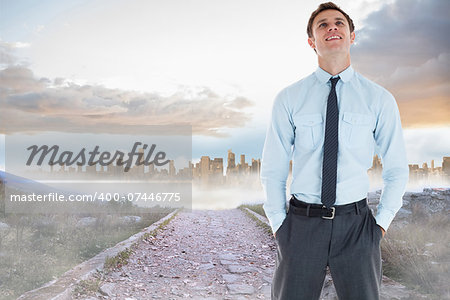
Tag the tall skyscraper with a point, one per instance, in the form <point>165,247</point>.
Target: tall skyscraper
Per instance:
<point>172,171</point>
<point>446,165</point>
<point>231,164</point>
<point>217,166</point>
<point>204,169</point>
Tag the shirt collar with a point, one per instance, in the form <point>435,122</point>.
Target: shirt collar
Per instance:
<point>324,76</point>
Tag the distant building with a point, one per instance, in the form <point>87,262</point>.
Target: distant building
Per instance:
<point>446,165</point>
<point>231,163</point>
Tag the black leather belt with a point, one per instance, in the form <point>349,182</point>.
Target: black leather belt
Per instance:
<point>318,210</point>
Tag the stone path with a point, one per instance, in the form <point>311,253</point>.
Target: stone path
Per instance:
<point>207,254</point>
<point>201,254</point>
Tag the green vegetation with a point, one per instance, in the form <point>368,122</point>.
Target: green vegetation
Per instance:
<point>89,286</point>
<point>119,260</point>
<point>37,248</point>
<point>258,209</point>
<point>417,254</point>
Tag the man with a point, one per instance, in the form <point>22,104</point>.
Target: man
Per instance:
<point>330,123</point>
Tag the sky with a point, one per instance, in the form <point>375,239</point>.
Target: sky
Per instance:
<point>216,65</point>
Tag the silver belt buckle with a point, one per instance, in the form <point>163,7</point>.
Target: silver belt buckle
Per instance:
<point>333,209</point>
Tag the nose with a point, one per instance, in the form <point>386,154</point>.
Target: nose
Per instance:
<point>332,27</point>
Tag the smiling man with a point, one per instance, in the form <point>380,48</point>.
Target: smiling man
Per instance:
<point>330,123</point>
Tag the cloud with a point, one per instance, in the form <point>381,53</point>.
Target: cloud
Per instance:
<point>403,47</point>
<point>239,103</point>
<point>7,50</point>
<point>422,146</point>
<point>40,104</point>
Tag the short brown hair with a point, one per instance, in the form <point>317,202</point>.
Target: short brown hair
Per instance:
<point>321,8</point>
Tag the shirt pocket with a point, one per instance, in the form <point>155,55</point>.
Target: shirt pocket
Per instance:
<point>308,131</point>
<point>356,129</point>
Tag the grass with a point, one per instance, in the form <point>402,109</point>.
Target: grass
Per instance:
<point>417,254</point>
<point>89,286</point>
<point>119,260</point>
<point>258,209</point>
<point>36,249</point>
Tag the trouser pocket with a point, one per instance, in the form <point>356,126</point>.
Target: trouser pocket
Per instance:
<point>378,234</point>
<point>280,231</point>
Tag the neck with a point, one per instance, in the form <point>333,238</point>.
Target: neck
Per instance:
<point>334,64</point>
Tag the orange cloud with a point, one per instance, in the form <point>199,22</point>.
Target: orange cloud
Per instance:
<point>401,47</point>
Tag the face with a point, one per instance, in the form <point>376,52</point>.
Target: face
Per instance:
<point>331,33</point>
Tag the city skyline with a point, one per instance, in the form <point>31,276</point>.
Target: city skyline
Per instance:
<point>409,163</point>
<point>216,171</point>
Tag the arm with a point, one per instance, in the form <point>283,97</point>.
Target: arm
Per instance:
<point>389,140</point>
<point>275,160</point>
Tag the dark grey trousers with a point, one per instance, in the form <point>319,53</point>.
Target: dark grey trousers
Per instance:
<point>349,244</point>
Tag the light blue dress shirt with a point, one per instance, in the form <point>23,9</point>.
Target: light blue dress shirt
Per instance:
<point>369,119</point>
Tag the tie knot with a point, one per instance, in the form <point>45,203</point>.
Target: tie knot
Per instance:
<point>334,81</point>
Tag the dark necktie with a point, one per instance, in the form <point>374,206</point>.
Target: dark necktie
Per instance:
<point>330,148</point>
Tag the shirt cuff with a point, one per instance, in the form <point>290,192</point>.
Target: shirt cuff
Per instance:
<point>384,218</point>
<point>276,220</point>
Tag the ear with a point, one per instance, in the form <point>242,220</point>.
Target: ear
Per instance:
<point>352,37</point>
<point>311,43</point>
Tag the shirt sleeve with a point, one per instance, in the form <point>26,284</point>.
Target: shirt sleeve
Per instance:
<point>275,160</point>
<point>390,145</point>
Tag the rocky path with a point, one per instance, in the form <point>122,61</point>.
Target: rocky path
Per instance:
<point>207,254</point>
<point>200,255</point>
